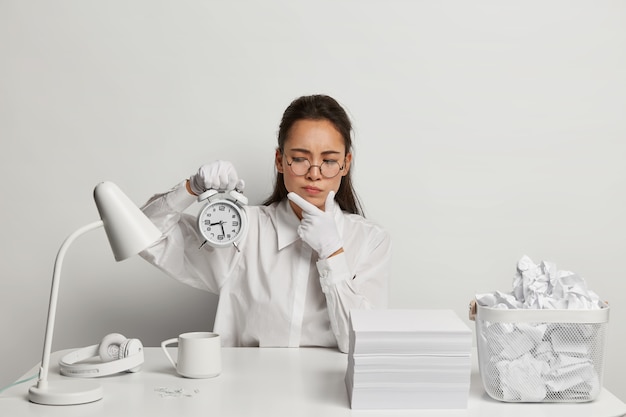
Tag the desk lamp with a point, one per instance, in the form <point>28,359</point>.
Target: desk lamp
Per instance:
<point>129,232</point>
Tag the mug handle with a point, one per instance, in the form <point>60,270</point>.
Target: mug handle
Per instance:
<point>164,344</point>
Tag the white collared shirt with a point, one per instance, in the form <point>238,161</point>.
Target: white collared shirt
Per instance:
<point>275,291</point>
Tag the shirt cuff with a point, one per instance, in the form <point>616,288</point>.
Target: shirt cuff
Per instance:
<point>332,271</point>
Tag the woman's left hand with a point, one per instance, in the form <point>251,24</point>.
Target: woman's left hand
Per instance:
<point>317,228</point>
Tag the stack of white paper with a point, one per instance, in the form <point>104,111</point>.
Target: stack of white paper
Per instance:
<point>408,359</point>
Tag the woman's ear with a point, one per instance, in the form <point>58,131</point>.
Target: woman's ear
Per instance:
<point>346,168</point>
<point>278,161</point>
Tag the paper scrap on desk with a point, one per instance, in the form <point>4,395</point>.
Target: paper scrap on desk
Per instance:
<point>165,392</point>
<point>535,358</point>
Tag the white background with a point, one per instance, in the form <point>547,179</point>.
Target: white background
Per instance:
<point>485,130</point>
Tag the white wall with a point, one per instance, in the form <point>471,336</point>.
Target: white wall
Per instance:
<point>485,130</point>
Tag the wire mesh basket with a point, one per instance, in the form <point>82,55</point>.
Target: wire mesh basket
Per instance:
<point>528,355</point>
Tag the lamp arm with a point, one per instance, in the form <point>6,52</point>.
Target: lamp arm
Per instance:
<point>54,293</point>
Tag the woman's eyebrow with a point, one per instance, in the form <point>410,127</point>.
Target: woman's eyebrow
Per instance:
<point>301,150</point>
<point>306,151</point>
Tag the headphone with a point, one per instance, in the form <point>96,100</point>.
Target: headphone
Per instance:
<point>118,354</point>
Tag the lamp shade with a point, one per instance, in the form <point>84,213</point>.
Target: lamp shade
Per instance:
<point>129,230</point>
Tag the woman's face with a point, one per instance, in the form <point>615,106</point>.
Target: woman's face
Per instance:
<point>319,142</point>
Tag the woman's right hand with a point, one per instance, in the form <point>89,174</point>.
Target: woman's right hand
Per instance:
<point>217,175</point>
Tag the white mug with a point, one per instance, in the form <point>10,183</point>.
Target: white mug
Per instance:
<point>199,354</point>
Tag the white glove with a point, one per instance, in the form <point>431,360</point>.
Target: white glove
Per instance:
<point>317,228</point>
<point>218,175</point>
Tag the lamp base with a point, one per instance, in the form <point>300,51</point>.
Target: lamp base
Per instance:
<point>66,393</point>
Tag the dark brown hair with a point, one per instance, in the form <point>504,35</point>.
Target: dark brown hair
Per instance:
<point>318,107</point>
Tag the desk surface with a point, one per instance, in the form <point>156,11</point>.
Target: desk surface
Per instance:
<point>266,382</point>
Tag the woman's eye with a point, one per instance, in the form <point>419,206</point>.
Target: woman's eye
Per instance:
<point>298,159</point>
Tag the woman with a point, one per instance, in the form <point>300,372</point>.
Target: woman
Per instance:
<point>309,256</point>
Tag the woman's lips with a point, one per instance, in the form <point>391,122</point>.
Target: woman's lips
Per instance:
<point>312,190</point>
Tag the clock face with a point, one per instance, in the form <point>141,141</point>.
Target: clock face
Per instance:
<point>221,223</point>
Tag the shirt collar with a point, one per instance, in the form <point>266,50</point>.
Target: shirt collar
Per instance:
<point>286,225</point>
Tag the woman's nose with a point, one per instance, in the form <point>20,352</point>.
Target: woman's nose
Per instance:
<point>315,172</point>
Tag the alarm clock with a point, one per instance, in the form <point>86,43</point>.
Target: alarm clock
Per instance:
<point>223,221</point>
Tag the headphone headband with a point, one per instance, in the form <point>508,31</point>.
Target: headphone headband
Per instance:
<point>69,367</point>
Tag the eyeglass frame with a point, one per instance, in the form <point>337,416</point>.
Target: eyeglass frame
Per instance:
<point>341,168</point>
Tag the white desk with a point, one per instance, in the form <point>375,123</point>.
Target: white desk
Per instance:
<point>266,382</point>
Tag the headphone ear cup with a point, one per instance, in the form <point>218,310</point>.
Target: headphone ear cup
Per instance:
<point>128,348</point>
<point>110,347</point>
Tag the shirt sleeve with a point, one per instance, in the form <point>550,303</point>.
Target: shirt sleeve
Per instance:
<point>179,253</point>
<point>166,209</point>
<point>364,285</point>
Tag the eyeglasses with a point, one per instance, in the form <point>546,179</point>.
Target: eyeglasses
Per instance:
<point>328,168</point>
